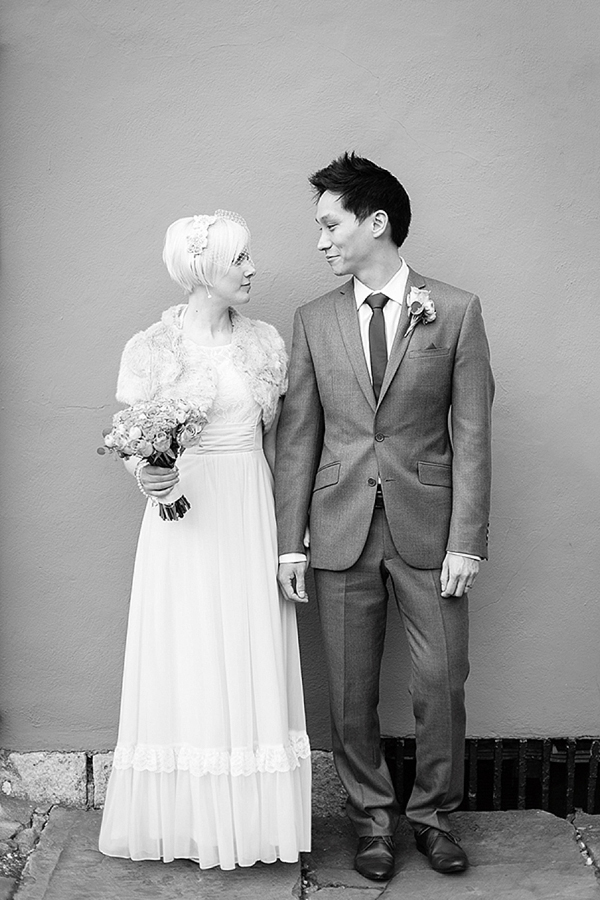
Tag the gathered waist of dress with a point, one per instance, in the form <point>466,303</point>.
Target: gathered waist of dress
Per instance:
<point>222,438</point>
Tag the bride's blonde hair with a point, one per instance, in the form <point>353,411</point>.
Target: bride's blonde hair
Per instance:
<point>201,249</point>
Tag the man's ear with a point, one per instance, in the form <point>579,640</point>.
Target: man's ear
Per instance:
<point>379,222</point>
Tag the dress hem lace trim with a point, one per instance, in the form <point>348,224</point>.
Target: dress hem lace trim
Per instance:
<point>199,761</point>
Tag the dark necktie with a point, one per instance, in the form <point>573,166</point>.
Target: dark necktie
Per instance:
<point>377,344</point>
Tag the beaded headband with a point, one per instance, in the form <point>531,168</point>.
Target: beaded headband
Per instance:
<point>198,239</point>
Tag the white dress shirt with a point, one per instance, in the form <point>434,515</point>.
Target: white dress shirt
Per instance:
<point>394,289</point>
<point>392,310</point>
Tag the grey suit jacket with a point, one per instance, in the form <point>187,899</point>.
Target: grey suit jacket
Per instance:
<point>427,438</point>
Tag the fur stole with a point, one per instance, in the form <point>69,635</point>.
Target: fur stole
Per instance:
<point>154,364</point>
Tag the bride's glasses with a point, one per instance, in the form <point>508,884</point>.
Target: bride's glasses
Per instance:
<point>241,258</point>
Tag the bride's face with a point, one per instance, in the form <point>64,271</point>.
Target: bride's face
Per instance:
<point>234,286</point>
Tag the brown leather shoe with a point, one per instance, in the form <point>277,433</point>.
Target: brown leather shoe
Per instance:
<point>375,857</point>
<point>442,850</point>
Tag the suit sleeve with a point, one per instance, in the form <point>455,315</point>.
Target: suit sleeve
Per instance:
<point>299,444</point>
<point>471,418</point>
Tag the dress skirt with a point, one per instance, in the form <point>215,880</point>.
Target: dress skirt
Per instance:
<point>212,761</point>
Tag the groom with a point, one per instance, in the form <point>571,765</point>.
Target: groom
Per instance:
<point>383,449</point>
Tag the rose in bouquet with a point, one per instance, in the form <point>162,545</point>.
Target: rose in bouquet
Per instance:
<point>158,431</point>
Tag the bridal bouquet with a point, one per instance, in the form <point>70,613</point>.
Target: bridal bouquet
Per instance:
<point>158,431</point>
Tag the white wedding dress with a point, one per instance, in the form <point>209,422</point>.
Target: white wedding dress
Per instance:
<point>212,761</point>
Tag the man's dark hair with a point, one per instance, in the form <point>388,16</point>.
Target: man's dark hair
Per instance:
<point>363,188</point>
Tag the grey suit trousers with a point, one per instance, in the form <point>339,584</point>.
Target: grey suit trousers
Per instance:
<point>353,611</point>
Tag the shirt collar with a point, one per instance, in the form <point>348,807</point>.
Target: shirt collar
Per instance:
<point>394,289</point>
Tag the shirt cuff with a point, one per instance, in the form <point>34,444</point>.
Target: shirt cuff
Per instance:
<point>292,557</point>
<point>468,555</point>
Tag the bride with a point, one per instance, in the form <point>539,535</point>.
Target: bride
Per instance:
<point>212,761</point>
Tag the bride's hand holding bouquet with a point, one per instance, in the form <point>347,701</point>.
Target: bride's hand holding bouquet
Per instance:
<point>157,481</point>
<point>156,432</point>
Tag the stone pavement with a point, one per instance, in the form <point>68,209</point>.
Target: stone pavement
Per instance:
<point>21,824</point>
<point>66,865</point>
<point>517,855</point>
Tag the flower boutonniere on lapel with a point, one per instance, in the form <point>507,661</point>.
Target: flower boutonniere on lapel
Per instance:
<point>421,309</point>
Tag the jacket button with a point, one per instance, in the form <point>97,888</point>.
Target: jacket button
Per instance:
<point>379,436</point>
<point>372,482</point>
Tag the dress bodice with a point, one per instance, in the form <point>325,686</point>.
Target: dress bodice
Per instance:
<point>234,403</point>
<point>162,362</point>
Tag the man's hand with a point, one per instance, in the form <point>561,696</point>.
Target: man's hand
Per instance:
<point>291,578</point>
<point>458,574</point>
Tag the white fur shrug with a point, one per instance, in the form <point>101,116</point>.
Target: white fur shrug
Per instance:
<point>154,364</point>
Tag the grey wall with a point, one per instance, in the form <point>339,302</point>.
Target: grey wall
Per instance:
<point>120,117</point>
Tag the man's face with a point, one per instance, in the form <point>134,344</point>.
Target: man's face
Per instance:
<point>346,242</point>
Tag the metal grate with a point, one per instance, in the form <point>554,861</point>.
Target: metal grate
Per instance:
<point>556,774</point>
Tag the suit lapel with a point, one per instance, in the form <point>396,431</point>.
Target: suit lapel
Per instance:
<point>345,308</point>
<point>400,345</point>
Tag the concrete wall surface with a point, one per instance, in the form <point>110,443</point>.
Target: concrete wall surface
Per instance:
<point>119,117</point>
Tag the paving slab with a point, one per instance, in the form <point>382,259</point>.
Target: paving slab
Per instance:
<point>67,865</point>
<point>15,814</point>
<point>21,823</point>
<point>514,855</point>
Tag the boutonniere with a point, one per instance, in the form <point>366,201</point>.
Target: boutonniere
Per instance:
<point>421,309</point>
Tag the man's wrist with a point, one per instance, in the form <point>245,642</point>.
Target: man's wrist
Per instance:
<point>468,555</point>
<point>292,558</point>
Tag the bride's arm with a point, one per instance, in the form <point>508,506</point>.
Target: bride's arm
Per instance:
<point>269,439</point>
<point>134,384</point>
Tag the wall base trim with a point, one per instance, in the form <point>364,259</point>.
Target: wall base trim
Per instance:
<point>556,774</point>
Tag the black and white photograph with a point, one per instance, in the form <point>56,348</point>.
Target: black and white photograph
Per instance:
<point>300,503</point>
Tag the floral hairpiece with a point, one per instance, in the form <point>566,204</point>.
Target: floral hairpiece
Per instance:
<point>198,239</point>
